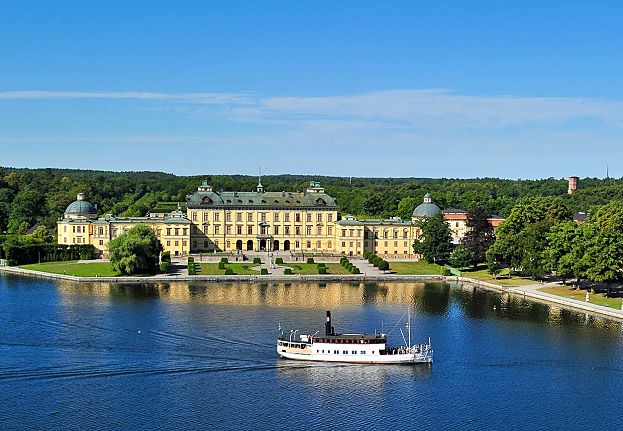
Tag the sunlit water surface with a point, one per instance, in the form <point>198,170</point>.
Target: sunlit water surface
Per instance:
<point>202,356</point>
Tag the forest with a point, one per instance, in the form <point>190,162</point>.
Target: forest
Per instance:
<point>31,196</point>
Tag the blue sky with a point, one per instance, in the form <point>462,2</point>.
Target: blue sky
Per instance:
<point>525,89</point>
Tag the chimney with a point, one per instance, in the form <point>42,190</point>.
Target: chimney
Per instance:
<point>327,325</point>
<point>80,197</point>
<point>574,183</point>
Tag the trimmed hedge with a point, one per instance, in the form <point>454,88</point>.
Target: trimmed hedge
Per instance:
<point>355,270</point>
<point>383,265</point>
<point>310,260</point>
<point>263,271</point>
<point>287,271</point>
<point>376,261</point>
<point>224,260</point>
<point>34,253</point>
<point>371,258</point>
<point>321,264</point>
<point>322,270</point>
<point>446,272</point>
<point>165,256</point>
<point>279,261</point>
<point>165,266</point>
<point>366,254</point>
<point>221,265</point>
<point>257,260</point>
<point>229,271</point>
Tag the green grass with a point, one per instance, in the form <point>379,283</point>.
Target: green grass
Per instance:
<point>238,268</point>
<point>420,267</point>
<point>312,268</point>
<point>503,278</point>
<point>89,269</point>
<point>580,295</point>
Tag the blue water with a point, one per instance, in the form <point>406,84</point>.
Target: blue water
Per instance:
<point>202,357</point>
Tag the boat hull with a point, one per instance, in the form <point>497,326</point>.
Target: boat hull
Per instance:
<point>361,359</point>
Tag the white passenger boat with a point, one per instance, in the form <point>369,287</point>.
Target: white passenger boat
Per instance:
<point>352,348</point>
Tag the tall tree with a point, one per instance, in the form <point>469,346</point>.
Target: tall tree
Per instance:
<point>479,235</point>
<point>136,252</point>
<point>406,207</point>
<point>435,242</point>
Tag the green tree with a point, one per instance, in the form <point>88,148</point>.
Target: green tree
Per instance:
<point>406,207</point>
<point>25,208</point>
<point>460,257</point>
<point>563,250</point>
<point>435,243</point>
<point>479,236</point>
<point>135,252</point>
<point>41,235</point>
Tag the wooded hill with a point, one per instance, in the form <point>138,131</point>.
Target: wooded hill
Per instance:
<point>29,196</point>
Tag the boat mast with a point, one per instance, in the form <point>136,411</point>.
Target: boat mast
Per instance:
<point>409,326</point>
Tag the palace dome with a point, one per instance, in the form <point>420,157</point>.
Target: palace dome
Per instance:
<point>427,208</point>
<point>81,208</point>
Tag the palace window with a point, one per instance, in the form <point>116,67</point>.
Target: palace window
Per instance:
<point>168,243</point>
<point>239,230</point>
<point>276,216</point>
<point>263,217</point>
<point>217,216</point>
<point>309,230</point>
<point>249,230</point>
<point>276,229</point>
<point>329,245</point>
<point>318,245</point>
<point>168,231</point>
<point>238,216</point>
<point>297,230</point>
<point>308,244</point>
<point>177,243</point>
<point>194,215</point>
<point>297,218</point>
<point>385,234</point>
<point>177,231</point>
<point>100,230</point>
<point>228,244</point>
<point>297,244</point>
<point>343,232</point>
<point>330,230</point>
<point>405,234</point>
<point>287,217</point>
<point>228,216</point>
<point>287,228</point>
<point>319,217</point>
<point>329,217</point>
<point>205,217</point>
<point>217,230</point>
<point>249,216</point>
<point>309,217</point>
<point>395,234</point>
<point>351,232</point>
<point>185,230</point>
<point>228,230</point>
<point>343,244</point>
<point>101,242</point>
<point>319,230</point>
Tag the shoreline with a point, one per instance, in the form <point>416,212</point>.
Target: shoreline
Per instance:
<point>529,291</point>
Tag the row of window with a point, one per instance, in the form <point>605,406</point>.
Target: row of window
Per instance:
<point>344,352</point>
<point>276,230</point>
<point>216,216</point>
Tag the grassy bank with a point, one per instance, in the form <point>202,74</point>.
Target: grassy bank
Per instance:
<point>312,268</point>
<point>421,267</point>
<point>580,295</point>
<point>87,269</point>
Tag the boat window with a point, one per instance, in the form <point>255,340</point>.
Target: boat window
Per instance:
<point>363,352</point>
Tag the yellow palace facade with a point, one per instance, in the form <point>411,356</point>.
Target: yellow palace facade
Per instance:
<point>215,222</point>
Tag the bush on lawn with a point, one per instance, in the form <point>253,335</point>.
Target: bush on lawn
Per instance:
<point>287,271</point>
<point>279,261</point>
<point>229,271</point>
<point>165,256</point>
<point>383,265</point>
<point>263,271</point>
<point>257,261</point>
<point>165,266</point>
<point>322,270</point>
<point>224,260</point>
<point>310,260</point>
<point>221,265</point>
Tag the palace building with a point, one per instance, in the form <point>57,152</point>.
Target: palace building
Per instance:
<point>299,222</point>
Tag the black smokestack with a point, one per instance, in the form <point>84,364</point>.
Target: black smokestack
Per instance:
<point>327,325</point>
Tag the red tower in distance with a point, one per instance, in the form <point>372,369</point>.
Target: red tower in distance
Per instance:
<point>574,182</point>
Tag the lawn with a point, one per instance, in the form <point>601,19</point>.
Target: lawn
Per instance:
<point>580,295</point>
<point>238,268</point>
<point>420,267</point>
<point>503,279</point>
<point>88,269</point>
<point>312,268</point>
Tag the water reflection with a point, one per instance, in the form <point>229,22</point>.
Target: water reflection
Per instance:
<point>434,299</point>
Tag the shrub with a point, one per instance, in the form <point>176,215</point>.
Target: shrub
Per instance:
<point>229,271</point>
<point>383,265</point>
<point>165,256</point>
<point>355,270</point>
<point>191,269</point>
<point>371,258</point>
<point>376,261</point>
<point>257,260</point>
<point>224,260</point>
<point>24,254</point>
<point>263,271</point>
<point>349,266</point>
<point>279,261</point>
<point>322,270</point>
<point>366,254</point>
<point>310,260</point>
<point>287,271</point>
<point>191,259</point>
<point>165,266</point>
<point>221,265</point>
<point>446,272</point>
<point>320,265</point>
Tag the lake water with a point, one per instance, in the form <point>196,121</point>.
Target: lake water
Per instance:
<point>202,356</point>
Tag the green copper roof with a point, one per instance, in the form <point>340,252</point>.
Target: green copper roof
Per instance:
<point>210,199</point>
